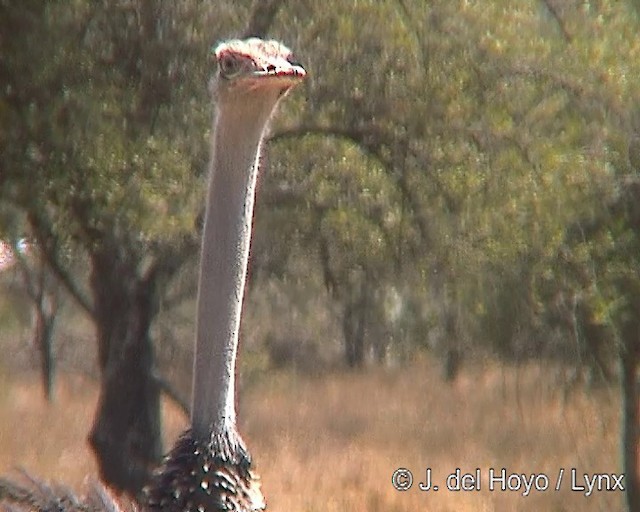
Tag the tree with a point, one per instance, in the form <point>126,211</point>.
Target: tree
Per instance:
<point>501,128</point>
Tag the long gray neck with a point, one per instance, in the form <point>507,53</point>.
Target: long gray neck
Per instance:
<point>237,135</point>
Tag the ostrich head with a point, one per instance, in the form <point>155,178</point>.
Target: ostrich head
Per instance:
<point>253,72</point>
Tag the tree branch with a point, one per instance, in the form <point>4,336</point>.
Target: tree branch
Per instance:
<point>47,247</point>
<point>173,394</point>
<point>583,92</point>
<point>553,10</point>
<point>261,18</point>
<point>373,142</point>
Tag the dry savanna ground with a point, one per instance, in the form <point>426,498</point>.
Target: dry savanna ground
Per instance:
<point>331,443</point>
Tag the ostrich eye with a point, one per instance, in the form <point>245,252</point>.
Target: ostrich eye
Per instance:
<point>229,66</point>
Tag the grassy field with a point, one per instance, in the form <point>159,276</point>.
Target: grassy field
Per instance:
<point>332,443</point>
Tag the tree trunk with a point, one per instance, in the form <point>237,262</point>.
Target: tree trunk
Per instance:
<point>353,331</point>
<point>126,434</point>
<point>45,317</point>
<point>43,293</point>
<point>354,324</point>
<point>630,428</point>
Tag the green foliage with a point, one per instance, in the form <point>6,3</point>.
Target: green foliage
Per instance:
<point>465,156</point>
<point>500,128</point>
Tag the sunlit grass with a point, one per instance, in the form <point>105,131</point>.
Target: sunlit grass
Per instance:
<point>331,443</point>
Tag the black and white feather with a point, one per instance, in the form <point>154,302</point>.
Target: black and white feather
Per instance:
<point>206,477</point>
<point>27,493</point>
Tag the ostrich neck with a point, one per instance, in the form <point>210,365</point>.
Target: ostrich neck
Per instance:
<point>237,136</point>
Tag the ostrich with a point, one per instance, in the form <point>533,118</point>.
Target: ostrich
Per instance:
<point>209,467</point>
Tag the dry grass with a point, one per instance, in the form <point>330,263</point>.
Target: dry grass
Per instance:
<point>331,443</point>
